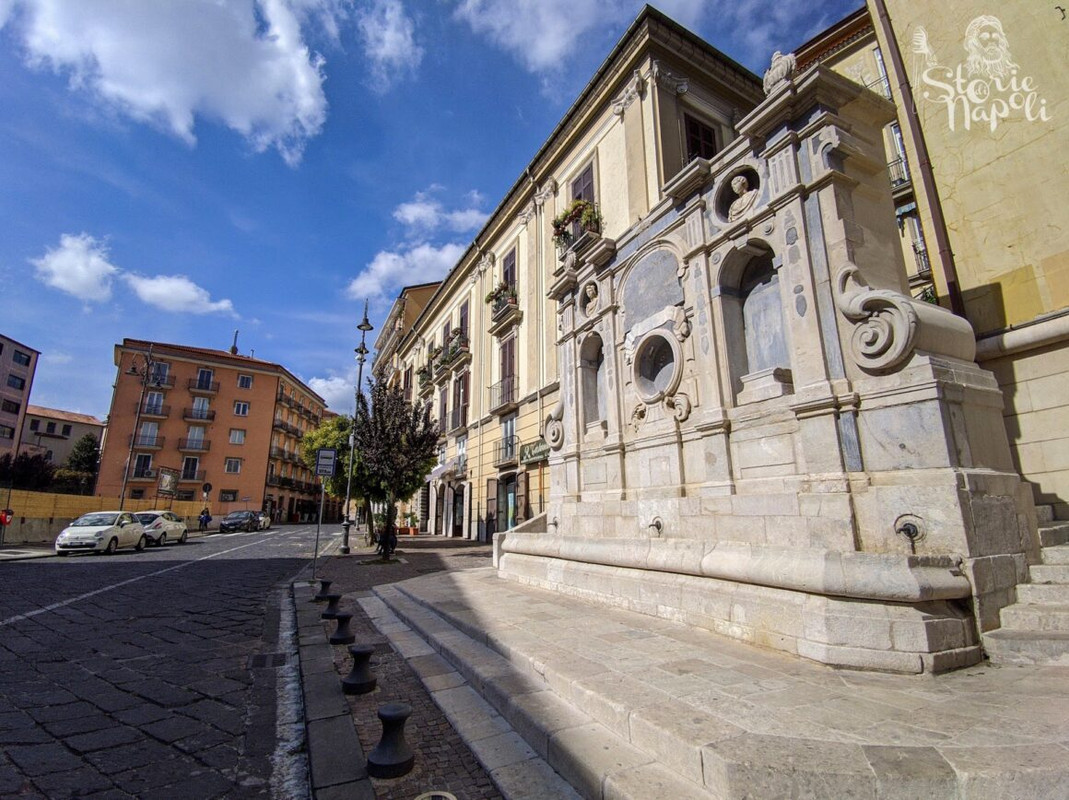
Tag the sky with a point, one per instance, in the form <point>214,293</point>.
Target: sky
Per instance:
<point>178,170</point>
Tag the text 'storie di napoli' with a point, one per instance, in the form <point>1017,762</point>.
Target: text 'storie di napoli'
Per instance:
<point>983,100</point>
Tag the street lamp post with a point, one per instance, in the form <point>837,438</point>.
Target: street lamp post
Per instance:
<point>361,357</point>
<point>144,372</point>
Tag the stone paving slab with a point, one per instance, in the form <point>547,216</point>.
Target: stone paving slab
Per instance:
<point>666,702</point>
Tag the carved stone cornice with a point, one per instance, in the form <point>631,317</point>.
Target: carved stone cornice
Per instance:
<point>667,79</point>
<point>634,89</point>
<point>548,190</point>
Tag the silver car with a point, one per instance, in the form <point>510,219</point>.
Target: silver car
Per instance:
<point>163,526</point>
<point>101,532</point>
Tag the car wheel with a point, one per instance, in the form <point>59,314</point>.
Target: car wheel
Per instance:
<point>183,537</point>
<point>113,545</point>
<point>141,543</point>
<point>162,540</point>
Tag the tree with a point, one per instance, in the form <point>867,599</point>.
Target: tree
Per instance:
<point>79,472</point>
<point>396,443</point>
<point>332,434</point>
<point>26,471</point>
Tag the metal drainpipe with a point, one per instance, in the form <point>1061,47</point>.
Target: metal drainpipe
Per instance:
<point>946,255</point>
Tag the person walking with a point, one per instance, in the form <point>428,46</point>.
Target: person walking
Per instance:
<point>205,518</point>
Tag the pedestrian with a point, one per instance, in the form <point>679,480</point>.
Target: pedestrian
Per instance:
<point>205,518</point>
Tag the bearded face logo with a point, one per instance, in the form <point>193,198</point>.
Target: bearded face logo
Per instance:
<point>987,49</point>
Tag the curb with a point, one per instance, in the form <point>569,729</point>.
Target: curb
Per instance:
<point>337,766</point>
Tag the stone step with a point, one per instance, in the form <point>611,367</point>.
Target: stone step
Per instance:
<point>1048,648</point>
<point>1052,534</point>
<point>1043,594</point>
<point>1049,574</point>
<point>590,756</point>
<point>1055,555</point>
<point>1045,617</point>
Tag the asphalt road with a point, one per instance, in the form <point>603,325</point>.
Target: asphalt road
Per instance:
<point>157,674</point>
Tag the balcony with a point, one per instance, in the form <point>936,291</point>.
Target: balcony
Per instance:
<point>920,255</point>
<point>504,313</point>
<point>198,386</point>
<point>154,410</point>
<point>504,395</point>
<point>898,170</point>
<point>143,474</point>
<point>161,381</point>
<point>198,414</point>
<point>456,353</point>
<point>505,452</point>
<point>194,445</point>
<point>458,418</point>
<point>187,476</point>
<point>462,465</point>
<point>880,86</point>
<point>145,442</point>
<point>292,430</point>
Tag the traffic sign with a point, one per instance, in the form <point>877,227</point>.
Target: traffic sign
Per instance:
<point>325,459</point>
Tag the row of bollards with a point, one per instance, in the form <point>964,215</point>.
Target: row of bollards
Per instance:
<point>392,756</point>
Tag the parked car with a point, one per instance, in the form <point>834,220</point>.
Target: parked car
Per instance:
<point>101,532</point>
<point>265,520</point>
<point>240,521</point>
<point>161,526</point>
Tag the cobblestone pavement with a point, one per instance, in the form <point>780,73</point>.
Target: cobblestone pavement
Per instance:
<point>151,674</point>
<point>443,761</point>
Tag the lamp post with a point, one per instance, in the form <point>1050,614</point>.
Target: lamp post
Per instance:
<point>144,372</point>
<point>361,357</point>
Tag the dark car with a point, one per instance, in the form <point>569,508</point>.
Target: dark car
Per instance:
<point>240,521</point>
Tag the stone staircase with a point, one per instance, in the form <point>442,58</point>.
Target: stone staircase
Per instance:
<point>1035,629</point>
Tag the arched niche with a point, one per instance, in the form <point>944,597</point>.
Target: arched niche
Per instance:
<point>592,382</point>
<point>652,284</point>
<point>757,337</point>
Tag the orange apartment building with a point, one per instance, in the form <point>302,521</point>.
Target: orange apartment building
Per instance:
<point>213,426</point>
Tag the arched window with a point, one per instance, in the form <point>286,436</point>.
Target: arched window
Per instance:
<point>592,380</point>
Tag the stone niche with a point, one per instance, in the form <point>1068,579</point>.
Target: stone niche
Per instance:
<point>761,434</point>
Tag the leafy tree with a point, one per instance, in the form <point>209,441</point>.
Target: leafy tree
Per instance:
<point>78,474</point>
<point>26,471</point>
<point>332,434</point>
<point>396,443</point>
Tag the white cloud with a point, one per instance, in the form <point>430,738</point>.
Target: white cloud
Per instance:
<point>238,62</point>
<point>79,267</point>
<point>388,36</point>
<point>424,215</point>
<point>338,391</point>
<point>176,293</point>
<point>390,271</point>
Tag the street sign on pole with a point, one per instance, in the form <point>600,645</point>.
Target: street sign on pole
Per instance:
<point>325,459</point>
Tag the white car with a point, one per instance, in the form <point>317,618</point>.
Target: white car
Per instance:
<point>101,532</point>
<point>265,520</point>
<point>163,526</point>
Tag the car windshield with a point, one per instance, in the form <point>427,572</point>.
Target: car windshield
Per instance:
<point>236,514</point>
<point>94,520</point>
<point>145,519</point>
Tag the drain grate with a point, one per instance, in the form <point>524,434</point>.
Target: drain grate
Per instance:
<point>437,796</point>
<point>264,660</point>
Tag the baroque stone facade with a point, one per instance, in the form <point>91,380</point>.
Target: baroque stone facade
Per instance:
<point>758,430</point>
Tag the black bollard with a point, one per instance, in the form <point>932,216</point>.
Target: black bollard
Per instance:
<point>331,611</point>
<point>392,757</point>
<point>342,634</point>
<point>324,589</point>
<point>360,679</point>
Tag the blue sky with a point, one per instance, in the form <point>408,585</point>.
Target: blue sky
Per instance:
<point>176,170</point>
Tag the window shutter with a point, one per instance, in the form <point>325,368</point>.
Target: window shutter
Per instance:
<point>491,507</point>
<point>521,497</point>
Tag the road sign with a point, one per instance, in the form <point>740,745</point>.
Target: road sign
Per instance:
<point>206,488</point>
<point>325,458</point>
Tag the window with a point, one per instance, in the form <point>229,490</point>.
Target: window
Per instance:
<point>241,408</point>
<point>143,465</point>
<point>160,371</point>
<point>701,138</point>
<point>232,466</point>
<point>190,467</point>
<point>7,432</point>
<point>228,495</point>
<point>447,328</point>
<point>583,186</point>
<point>407,383</point>
<point>464,319</point>
<point>237,436</point>
<point>21,358</point>
<point>183,494</point>
<point>66,430</point>
<point>34,423</point>
<point>195,434</point>
<point>154,403</point>
<point>204,378</point>
<point>11,407</point>
<point>244,381</point>
<point>50,427</point>
<point>15,382</point>
<point>137,494</point>
<point>508,269</point>
<point>443,409</point>
<point>149,431</point>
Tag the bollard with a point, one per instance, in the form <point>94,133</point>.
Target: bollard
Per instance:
<point>392,757</point>
<point>342,634</point>
<point>324,589</point>
<point>360,679</point>
<point>331,610</point>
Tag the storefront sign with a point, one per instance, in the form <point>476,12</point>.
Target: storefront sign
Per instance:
<point>168,484</point>
<point>530,452</point>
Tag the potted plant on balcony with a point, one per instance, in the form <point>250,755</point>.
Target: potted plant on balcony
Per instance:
<point>581,215</point>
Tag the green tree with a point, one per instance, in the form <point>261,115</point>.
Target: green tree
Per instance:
<point>331,434</point>
<point>396,443</point>
<point>26,472</point>
<point>78,474</point>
